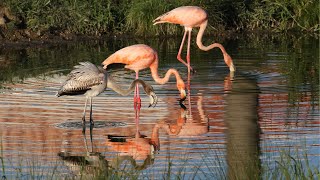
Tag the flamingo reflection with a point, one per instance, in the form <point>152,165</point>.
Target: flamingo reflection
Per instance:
<point>136,147</point>
<point>87,166</point>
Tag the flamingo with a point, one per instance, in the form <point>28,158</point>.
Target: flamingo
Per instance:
<point>190,17</point>
<point>140,56</point>
<point>90,80</point>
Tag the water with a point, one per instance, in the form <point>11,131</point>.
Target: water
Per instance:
<point>269,110</point>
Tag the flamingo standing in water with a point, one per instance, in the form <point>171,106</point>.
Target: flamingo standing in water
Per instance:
<point>190,17</point>
<point>141,56</point>
<point>90,80</point>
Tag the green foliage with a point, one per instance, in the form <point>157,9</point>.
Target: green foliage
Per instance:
<point>76,16</point>
<point>96,17</point>
<point>279,15</point>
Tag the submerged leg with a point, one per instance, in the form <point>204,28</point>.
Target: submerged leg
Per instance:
<point>91,128</point>
<point>84,138</point>
<point>137,116</point>
<point>91,120</point>
<point>84,113</point>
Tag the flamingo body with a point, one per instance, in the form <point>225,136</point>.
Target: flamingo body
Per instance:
<point>140,56</point>
<point>136,57</point>
<point>190,17</point>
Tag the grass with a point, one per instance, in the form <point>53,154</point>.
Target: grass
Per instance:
<point>98,17</point>
<point>289,165</point>
<point>292,166</point>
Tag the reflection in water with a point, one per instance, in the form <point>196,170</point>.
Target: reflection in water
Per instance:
<point>288,108</point>
<point>87,166</point>
<point>136,147</point>
<point>241,117</point>
<point>132,149</point>
<point>186,124</point>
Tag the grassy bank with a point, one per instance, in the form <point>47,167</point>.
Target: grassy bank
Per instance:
<point>98,17</point>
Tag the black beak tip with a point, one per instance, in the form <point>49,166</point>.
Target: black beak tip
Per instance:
<point>182,106</point>
<point>182,99</point>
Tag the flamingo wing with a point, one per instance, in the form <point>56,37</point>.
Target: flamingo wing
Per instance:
<point>82,78</point>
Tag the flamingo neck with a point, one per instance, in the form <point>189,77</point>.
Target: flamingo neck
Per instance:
<point>226,57</point>
<point>124,92</point>
<point>203,27</point>
<point>165,79</point>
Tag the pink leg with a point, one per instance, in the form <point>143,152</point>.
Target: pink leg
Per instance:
<point>188,51</point>
<point>137,116</point>
<point>180,50</point>
<point>137,99</point>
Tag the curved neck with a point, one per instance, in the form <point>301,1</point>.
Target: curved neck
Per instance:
<point>165,79</point>
<point>203,26</point>
<point>124,92</point>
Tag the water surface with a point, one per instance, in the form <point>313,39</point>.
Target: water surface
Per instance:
<point>269,108</point>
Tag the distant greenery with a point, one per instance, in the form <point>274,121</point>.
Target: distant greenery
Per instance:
<point>97,17</point>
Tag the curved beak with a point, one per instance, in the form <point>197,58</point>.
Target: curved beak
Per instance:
<point>153,99</point>
<point>183,95</point>
<point>232,68</point>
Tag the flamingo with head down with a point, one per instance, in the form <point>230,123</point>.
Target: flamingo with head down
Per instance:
<point>190,17</point>
<point>91,80</point>
<point>140,56</point>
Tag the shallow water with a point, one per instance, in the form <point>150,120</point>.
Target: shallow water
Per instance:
<point>269,108</point>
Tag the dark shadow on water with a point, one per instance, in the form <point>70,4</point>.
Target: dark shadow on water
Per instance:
<point>243,132</point>
<point>97,124</point>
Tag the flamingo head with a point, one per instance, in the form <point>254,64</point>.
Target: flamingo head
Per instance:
<point>181,88</point>
<point>105,64</point>
<point>229,62</point>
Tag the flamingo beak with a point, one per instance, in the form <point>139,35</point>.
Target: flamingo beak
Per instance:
<point>153,99</point>
<point>183,95</point>
<point>229,62</point>
<point>232,68</point>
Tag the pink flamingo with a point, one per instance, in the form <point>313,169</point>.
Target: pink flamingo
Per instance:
<point>140,56</point>
<point>190,17</point>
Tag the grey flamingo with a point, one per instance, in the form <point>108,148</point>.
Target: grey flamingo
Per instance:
<point>91,80</point>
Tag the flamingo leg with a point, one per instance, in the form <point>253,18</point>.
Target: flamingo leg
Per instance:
<point>91,120</point>
<point>188,51</point>
<point>137,99</point>
<point>91,128</point>
<point>84,113</point>
<point>84,138</point>
<point>180,50</point>
<point>137,116</point>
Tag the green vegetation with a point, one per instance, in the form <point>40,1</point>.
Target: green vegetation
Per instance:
<point>289,165</point>
<point>98,17</point>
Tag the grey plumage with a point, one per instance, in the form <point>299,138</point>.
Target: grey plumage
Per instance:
<point>88,79</point>
<point>91,80</point>
<point>85,76</point>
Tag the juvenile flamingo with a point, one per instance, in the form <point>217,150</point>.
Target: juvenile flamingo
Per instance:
<point>140,56</point>
<point>190,17</point>
<point>90,80</point>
